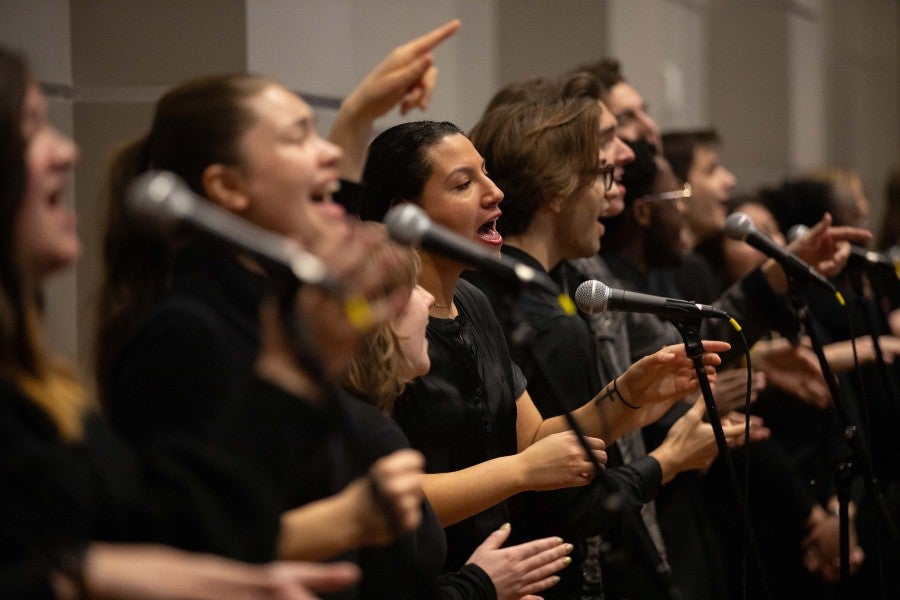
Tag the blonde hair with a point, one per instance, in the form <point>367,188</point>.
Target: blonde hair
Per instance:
<point>375,370</point>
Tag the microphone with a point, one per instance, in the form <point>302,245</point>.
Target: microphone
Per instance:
<point>738,226</point>
<point>160,202</point>
<point>408,224</point>
<point>593,296</point>
<point>858,255</point>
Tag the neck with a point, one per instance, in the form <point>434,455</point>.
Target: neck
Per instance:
<point>691,239</point>
<point>537,242</point>
<point>635,254</point>
<point>439,276</point>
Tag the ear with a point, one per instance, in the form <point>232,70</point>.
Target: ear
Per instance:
<point>643,215</point>
<point>555,205</point>
<point>225,186</point>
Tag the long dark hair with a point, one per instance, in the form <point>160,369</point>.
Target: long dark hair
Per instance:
<point>195,125</point>
<point>23,360</point>
<point>398,165</point>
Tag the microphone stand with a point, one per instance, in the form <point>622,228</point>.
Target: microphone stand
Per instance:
<point>865,306</point>
<point>852,435</point>
<point>307,357</point>
<point>689,327</point>
<point>522,336</point>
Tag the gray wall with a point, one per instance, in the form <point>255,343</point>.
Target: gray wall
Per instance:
<point>789,83</point>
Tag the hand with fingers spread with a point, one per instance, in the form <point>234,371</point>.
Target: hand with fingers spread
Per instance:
<point>667,374</point>
<point>407,76</point>
<point>690,443</point>
<point>649,387</point>
<point>827,248</point>
<point>557,461</point>
<point>793,369</point>
<point>730,388</point>
<point>519,572</point>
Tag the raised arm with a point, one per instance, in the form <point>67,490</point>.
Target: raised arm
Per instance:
<point>407,76</point>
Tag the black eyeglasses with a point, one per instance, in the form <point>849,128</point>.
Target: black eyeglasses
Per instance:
<point>606,175</point>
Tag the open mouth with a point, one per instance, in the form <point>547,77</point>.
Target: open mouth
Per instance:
<point>488,233</point>
<point>325,193</point>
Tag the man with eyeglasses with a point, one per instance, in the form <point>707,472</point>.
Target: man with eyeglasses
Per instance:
<point>753,301</point>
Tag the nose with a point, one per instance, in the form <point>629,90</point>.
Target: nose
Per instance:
<point>65,150</point>
<point>330,153</point>
<point>623,154</point>
<point>495,194</point>
<point>730,179</point>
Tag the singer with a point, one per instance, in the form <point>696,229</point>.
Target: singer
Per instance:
<point>472,412</point>
<point>68,482</point>
<point>519,137</point>
<point>179,333</point>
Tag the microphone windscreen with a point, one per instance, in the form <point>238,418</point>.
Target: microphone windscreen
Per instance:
<point>157,201</point>
<point>406,224</point>
<point>738,226</point>
<point>592,297</point>
<point>796,231</point>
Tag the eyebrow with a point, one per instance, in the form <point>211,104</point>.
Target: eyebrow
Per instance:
<point>464,170</point>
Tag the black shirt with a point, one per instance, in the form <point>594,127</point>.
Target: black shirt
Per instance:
<point>463,411</point>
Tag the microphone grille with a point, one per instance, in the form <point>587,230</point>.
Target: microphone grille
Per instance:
<point>407,224</point>
<point>156,202</point>
<point>592,297</point>
<point>738,226</point>
<point>797,231</point>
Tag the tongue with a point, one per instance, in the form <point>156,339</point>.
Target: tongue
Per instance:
<point>490,235</point>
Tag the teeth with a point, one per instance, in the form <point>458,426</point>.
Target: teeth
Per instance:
<point>334,187</point>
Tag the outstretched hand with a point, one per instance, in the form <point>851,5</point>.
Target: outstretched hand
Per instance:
<point>407,76</point>
<point>793,369</point>
<point>668,374</point>
<point>827,248</point>
<point>520,571</point>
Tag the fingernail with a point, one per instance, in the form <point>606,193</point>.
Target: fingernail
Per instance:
<point>559,541</point>
<point>569,548</point>
<point>506,526</point>
<point>555,579</point>
<point>567,561</point>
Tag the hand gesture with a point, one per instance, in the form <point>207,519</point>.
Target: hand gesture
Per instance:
<point>730,388</point>
<point>520,571</point>
<point>667,375</point>
<point>794,369</point>
<point>691,444</point>
<point>558,461</point>
<point>407,76</point>
<point>827,248</point>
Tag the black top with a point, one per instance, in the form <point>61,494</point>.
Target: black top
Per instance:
<point>561,346</point>
<point>55,494</point>
<point>189,367</point>
<point>463,412</point>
